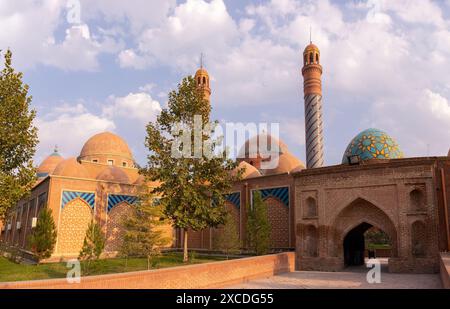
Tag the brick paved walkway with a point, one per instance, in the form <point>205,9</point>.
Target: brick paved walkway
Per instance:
<point>350,279</point>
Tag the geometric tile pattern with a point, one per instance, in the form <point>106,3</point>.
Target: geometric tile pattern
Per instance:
<point>114,199</point>
<point>234,198</point>
<point>372,144</point>
<point>281,193</point>
<point>68,196</point>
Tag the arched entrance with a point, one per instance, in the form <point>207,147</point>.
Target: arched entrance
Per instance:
<point>351,227</point>
<point>355,246</point>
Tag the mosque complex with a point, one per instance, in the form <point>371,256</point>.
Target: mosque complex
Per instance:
<point>321,212</point>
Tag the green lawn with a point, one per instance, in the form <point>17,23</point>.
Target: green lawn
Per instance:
<point>10,271</point>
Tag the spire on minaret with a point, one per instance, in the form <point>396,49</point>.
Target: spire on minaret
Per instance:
<point>312,87</point>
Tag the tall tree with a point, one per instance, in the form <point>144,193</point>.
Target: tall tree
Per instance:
<point>189,179</point>
<point>43,238</point>
<point>144,236</point>
<point>18,138</point>
<point>258,225</point>
<point>93,245</point>
<point>228,237</point>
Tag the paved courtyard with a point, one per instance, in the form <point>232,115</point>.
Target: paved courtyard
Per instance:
<point>351,278</point>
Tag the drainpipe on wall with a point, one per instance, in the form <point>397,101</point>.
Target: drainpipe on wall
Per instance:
<point>444,192</point>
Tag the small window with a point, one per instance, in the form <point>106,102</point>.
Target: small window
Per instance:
<point>124,164</point>
<point>95,160</point>
<point>311,58</point>
<point>317,58</point>
<point>199,81</point>
<point>204,80</point>
<point>110,162</point>
<point>306,59</point>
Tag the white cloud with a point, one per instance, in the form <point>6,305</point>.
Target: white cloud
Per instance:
<point>68,127</point>
<point>135,106</point>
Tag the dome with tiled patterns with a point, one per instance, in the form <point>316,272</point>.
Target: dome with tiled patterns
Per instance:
<point>372,144</point>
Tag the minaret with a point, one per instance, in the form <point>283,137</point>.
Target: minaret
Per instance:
<point>312,87</point>
<point>202,80</point>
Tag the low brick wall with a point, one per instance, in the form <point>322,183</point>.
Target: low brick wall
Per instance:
<point>208,275</point>
<point>445,269</point>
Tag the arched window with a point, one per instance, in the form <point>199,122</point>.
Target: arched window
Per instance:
<point>317,58</point>
<point>416,199</point>
<point>204,80</point>
<point>306,59</point>
<point>311,58</point>
<point>418,239</point>
<point>311,207</point>
<point>199,80</point>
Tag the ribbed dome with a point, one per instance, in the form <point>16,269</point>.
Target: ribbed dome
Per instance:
<point>114,174</point>
<point>287,163</point>
<point>249,170</point>
<point>311,47</point>
<point>49,164</point>
<point>372,144</point>
<point>106,144</point>
<point>71,168</point>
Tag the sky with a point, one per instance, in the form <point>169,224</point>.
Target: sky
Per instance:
<point>107,65</point>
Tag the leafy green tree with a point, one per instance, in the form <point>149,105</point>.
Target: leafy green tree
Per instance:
<point>258,226</point>
<point>228,237</point>
<point>189,179</point>
<point>93,245</point>
<point>143,233</point>
<point>18,138</point>
<point>42,240</point>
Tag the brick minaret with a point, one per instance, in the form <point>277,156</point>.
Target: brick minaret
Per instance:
<point>312,74</point>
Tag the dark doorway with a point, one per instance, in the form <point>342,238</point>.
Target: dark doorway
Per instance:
<point>354,245</point>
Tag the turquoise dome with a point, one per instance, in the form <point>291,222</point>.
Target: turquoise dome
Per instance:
<point>372,144</point>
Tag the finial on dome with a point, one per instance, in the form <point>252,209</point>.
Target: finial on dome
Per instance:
<point>55,150</point>
<point>310,35</point>
<point>201,60</point>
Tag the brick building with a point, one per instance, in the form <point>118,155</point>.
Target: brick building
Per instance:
<point>321,212</point>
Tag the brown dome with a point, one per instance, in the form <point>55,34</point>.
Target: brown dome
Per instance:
<point>287,163</point>
<point>49,164</point>
<point>106,144</point>
<point>311,47</point>
<point>71,168</point>
<point>114,174</point>
<point>249,170</point>
<point>246,150</point>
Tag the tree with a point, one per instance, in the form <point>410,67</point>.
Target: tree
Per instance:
<point>190,179</point>
<point>258,226</point>
<point>143,233</point>
<point>93,245</point>
<point>228,237</point>
<point>43,238</point>
<point>18,138</point>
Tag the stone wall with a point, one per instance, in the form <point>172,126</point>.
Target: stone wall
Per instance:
<point>208,275</point>
<point>445,269</point>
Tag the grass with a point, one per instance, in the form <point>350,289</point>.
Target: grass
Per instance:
<point>10,271</point>
<point>378,246</point>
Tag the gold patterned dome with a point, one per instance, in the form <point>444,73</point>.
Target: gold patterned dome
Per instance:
<point>71,168</point>
<point>249,171</point>
<point>287,163</point>
<point>107,148</point>
<point>113,174</point>
<point>49,164</point>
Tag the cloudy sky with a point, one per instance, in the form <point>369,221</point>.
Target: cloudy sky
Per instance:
<point>386,65</point>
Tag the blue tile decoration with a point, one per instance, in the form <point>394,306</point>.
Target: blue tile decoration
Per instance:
<point>234,198</point>
<point>114,199</point>
<point>281,193</point>
<point>372,144</point>
<point>68,196</point>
